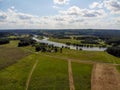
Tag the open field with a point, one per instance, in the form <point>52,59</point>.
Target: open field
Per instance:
<point>94,56</point>
<point>65,40</point>
<point>15,76</point>
<point>11,44</point>
<point>10,56</point>
<point>82,76</point>
<point>74,41</point>
<point>51,71</point>
<point>50,74</point>
<point>105,77</point>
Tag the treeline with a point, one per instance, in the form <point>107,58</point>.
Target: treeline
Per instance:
<point>114,42</point>
<point>114,51</point>
<point>26,42</point>
<point>47,48</point>
<point>4,41</point>
<point>4,34</point>
<point>89,41</point>
<point>86,37</point>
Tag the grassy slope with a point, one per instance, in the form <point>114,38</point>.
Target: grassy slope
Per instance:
<point>82,76</point>
<point>14,77</point>
<point>87,55</point>
<point>10,56</point>
<point>50,74</point>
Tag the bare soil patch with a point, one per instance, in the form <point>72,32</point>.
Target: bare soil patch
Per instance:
<point>105,77</point>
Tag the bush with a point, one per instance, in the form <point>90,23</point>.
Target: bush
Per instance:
<point>4,41</point>
<point>26,42</point>
<point>114,51</point>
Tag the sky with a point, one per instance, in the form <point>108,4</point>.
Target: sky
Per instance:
<point>59,14</point>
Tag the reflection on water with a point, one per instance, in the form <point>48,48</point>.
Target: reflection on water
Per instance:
<point>45,40</point>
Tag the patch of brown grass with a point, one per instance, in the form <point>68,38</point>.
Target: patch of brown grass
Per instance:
<point>9,56</point>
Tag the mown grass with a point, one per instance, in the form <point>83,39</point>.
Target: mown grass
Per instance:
<point>13,43</point>
<point>50,74</point>
<point>118,68</point>
<point>14,77</point>
<point>82,76</point>
<point>95,56</point>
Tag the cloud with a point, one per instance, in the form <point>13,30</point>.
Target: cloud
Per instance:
<point>60,2</point>
<point>56,7</point>
<point>74,10</point>
<point>113,6</point>
<point>96,5</point>
<point>3,16</point>
<point>73,17</point>
<point>24,16</point>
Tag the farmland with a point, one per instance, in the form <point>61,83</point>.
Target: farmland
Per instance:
<point>10,54</point>
<point>22,68</point>
<point>82,76</point>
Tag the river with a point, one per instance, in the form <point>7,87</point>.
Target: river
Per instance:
<point>46,40</point>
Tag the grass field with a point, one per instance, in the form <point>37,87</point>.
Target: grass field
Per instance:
<point>118,68</point>
<point>87,55</point>
<point>50,74</point>
<point>15,76</point>
<point>65,40</point>
<point>82,76</point>
<point>74,41</point>
<point>13,43</point>
<point>10,56</point>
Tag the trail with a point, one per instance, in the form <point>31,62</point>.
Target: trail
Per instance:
<point>105,77</point>
<point>30,75</point>
<point>71,82</point>
<point>82,61</point>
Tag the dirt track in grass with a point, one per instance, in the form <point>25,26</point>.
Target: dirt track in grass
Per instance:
<point>30,75</point>
<point>105,77</point>
<point>71,81</point>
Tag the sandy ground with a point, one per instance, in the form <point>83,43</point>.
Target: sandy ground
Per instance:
<point>71,82</point>
<point>105,77</point>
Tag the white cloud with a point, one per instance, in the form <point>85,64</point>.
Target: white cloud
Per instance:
<point>56,7</point>
<point>61,2</point>
<point>74,17</point>
<point>96,5</point>
<point>74,10</point>
<point>113,6</point>
<point>3,16</point>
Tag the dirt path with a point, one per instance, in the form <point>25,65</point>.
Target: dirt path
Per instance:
<point>71,82</point>
<point>82,61</point>
<point>105,77</point>
<point>76,60</point>
<point>30,75</point>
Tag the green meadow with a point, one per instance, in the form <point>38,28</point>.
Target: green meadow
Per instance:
<point>51,71</point>
<point>82,76</point>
